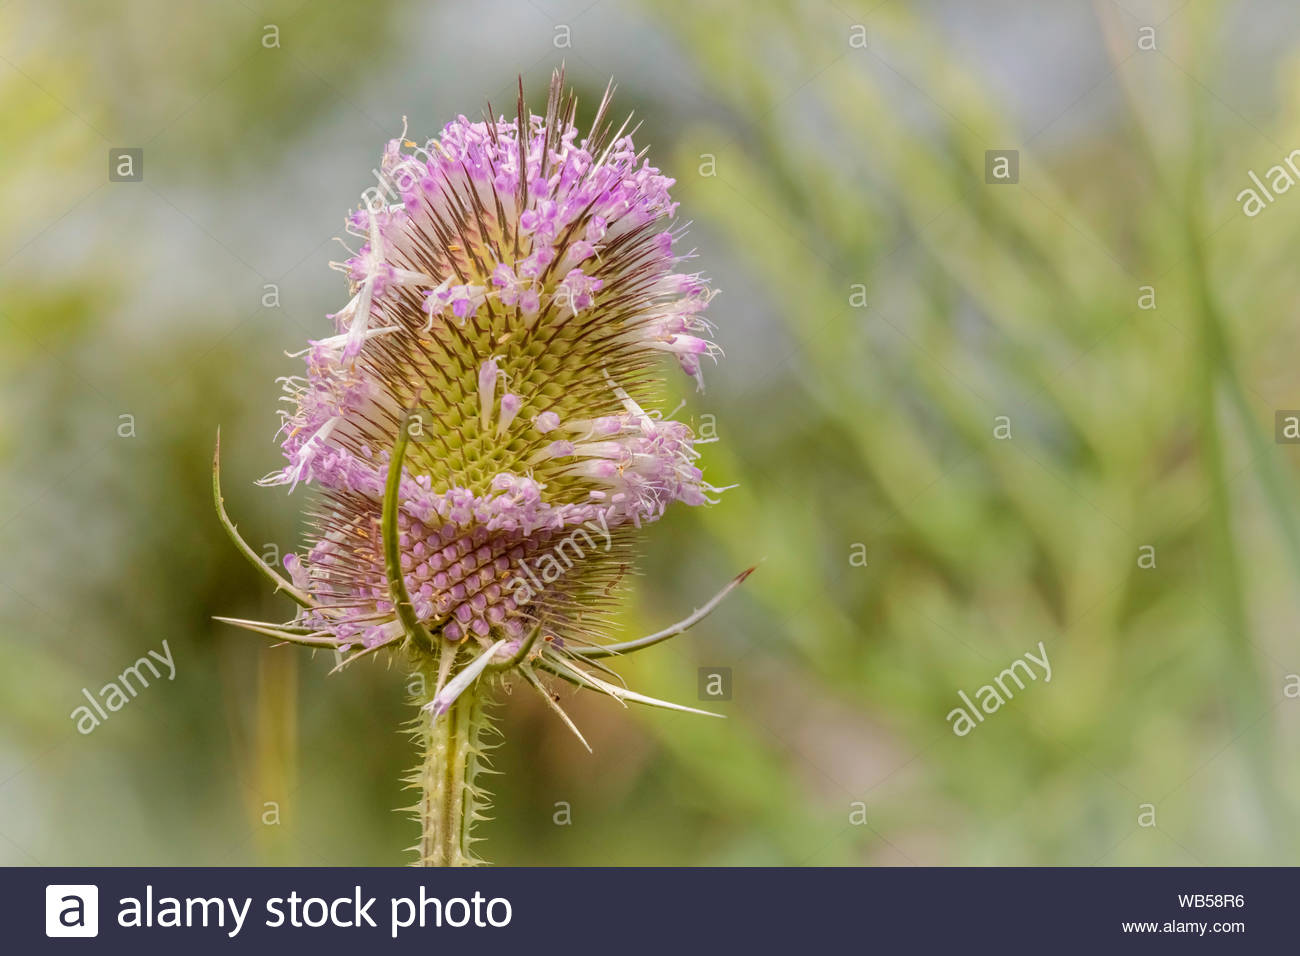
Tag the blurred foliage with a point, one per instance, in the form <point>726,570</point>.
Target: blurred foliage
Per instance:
<point>842,424</point>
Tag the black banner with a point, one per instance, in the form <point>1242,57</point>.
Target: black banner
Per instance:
<point>1010,910</point>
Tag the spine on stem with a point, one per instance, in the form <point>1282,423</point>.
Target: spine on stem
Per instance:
<point>451,798</point>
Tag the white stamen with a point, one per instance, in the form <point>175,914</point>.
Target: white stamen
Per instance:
<point>443,700</point>
<point>487,390</point>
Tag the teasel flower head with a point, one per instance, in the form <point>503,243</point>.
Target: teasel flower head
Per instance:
<point>484,435</point>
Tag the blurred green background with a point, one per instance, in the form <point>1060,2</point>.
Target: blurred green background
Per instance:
<point>883,309</point>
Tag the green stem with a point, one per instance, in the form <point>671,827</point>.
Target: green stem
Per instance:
<point>451,801</point>
<point>1216,371</point>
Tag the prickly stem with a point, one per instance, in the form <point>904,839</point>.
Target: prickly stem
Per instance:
<point>451,798</point>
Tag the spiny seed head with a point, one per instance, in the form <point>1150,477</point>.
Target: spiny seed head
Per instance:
<point>514,291</point>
